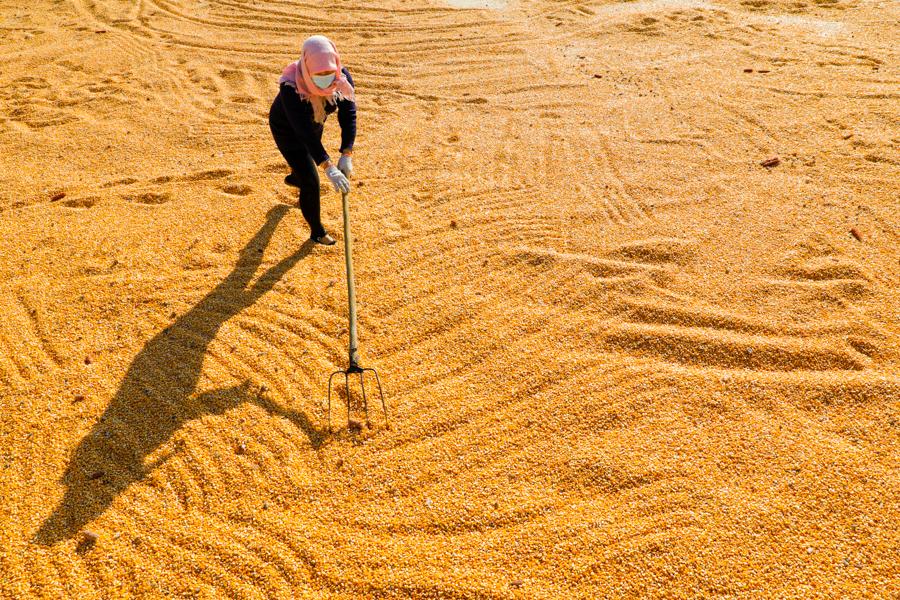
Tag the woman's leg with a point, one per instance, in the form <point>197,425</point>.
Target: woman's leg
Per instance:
<point>302,166</point>
<point>306,174</point>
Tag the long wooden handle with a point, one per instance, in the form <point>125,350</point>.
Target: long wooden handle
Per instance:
<point>351,287</point>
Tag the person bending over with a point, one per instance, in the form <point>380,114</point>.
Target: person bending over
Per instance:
<point>309,90</point>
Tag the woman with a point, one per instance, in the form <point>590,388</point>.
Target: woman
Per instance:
<point>311,89</point>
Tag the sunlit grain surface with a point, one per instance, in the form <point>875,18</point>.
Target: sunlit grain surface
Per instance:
<point>622,357</point>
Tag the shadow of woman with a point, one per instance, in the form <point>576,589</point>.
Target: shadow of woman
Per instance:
<point>156,396</point>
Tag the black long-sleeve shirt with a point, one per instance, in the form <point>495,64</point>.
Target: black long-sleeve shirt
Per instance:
<point>299,114</point>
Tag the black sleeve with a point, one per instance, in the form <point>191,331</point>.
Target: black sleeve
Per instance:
<point>347,117</point>
<point>300,116</point>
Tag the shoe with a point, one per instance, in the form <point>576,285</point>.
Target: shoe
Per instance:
<point>292,180</point>
<point>324,239</point>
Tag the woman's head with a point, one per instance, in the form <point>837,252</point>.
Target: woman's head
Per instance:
<point>318,75</point>
<point>321,64</point>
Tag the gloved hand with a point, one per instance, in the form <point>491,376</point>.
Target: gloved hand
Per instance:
<point>338,180</point>
<point>345,164</point>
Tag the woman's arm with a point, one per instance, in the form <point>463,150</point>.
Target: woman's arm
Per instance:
<point>347,119</point>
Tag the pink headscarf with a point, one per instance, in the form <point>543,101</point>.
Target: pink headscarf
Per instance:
<point>318,54</point>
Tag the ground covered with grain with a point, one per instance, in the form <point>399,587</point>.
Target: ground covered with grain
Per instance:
<point>628,272</point>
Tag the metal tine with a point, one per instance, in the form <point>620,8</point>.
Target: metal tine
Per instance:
<point>347,387</point>
<point>380,393</point>
<point>362,385</point>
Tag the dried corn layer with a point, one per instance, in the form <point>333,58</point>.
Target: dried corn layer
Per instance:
<point>628,272</point>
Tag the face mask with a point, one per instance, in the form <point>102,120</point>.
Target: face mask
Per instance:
<point>323,81</point>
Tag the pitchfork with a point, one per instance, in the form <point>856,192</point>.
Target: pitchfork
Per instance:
<point>354,344</point>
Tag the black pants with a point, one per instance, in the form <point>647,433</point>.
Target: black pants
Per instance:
<point>302,164</point>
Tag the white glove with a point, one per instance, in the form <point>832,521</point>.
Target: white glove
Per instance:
<point>345,165</point>
<point>338,180</point>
